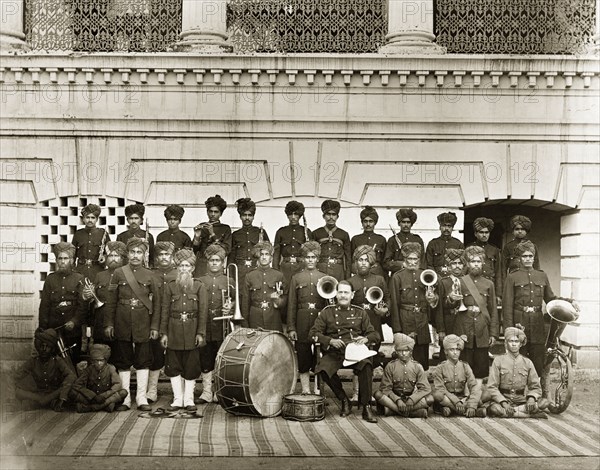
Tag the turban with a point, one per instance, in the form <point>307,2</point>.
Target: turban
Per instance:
<point>411,247</point>
<point>369,211</point>
<point>452,340</point>
<point>473,251</point>
<point>213,250</point>
<point>138,209</point>
<point>481,223</point>
<point>524,246</point>
<point>406,214</point>
<point>62,247</point>
<point>136,242</point>
<point>174,211</point>
<point>401,341</point>
<point>185,255</point>
<point>364,250</point>
<point>118,247</point>
<point>512,331</point>
<point>216,201</point>
<point>99,351</point>
<point>294,206</point>
<point>164,246</point>
<point>452,254</point>
<point>330,206</point>
<point>245,204</point>
<point>447,218</point>
<point>48,336</point>
<point>310,247</point>
<point>260,247</point>
<point>91,209</point>
<point>521,220</point>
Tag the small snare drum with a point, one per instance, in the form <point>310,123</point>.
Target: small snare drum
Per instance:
<point>298,407</point>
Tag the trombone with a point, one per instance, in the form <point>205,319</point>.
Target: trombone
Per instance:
<point>327,288</point>
<point>228,300</point>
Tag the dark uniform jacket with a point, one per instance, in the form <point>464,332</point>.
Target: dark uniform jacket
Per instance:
<point>88,243</point>
<point>242,244</point>
<point>345,323</point>
<point>477,325</point>
<point>393,260</point>
<point>103,282</point>
<point>335,256</point>
<point>221,237</point>
<point>215,285</point>
<point>436,251</point>
<point>492,268</point>
<point>409,309</point>
<point>139,233</point>
<point>445,313</point>
<point>513,379</point>
<point>511,261</point>
<point>304,303</point>
<point>257,305</point>
<point>375,241</point>
<point>457,381</point>
<point>39,376</point>
<point>61,303</point>
<point>126,313</point>
<point>360,285</point>
<point>183,314</point>
<point>403,381</point>
<point>164,277</point>
<point>287,256</point>
<point>179,238</point>
<point>524,291</point>
<point>92,382</point>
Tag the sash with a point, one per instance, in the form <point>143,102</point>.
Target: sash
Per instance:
<point>476,295</point>
<point>135,287</point>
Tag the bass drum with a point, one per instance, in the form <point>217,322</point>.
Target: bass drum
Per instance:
<point>254,370</point>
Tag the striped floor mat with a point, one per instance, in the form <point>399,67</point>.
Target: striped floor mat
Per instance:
<point>220,434</point>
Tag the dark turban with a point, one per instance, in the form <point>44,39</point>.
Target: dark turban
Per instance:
<point>512,331</point>
<point>411,247</point>
<point>164,246</point>
<point>136,242</point>
<point>185,255</point>
<point>246,204</point>
<point>447,218</point>
<point>174,211</point>
<point>260,247</point>
<point>48,336</point>
<point>521,220</point>
<point>91,209</point>
<point>473,251</point>
<point>523,247</point>
<point>452,340</point>
<point>138,209</point>
<point>330,205</point>
<point>369,211</point>
<point>406,214</point>
<point>99,351</point>
<point>364,250</point>
<point>62,247</point>
<point>452,254</point>
<point>294,206</point>
<point>481,223</point>
<point>213,250</point>
<point>118,247</point>
<point>402,341</point>
<point>216,201</point>
<point>311,247</point>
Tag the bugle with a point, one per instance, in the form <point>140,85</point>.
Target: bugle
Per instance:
<point>327,288</point>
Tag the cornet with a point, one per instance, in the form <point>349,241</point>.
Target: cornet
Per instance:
<point>227,300</point>
<point>90,285</point>
<point>327,288</point>
<point>457,291</point>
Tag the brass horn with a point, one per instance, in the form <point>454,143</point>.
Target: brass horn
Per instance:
<point>327,288</point>
<point>227,300</point>
<point>374,295</point>
<point>429,278</point>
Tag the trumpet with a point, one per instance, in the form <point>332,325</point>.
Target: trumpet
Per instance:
<point>327,288</point>
<point>227,301</point>
<point>90,285</point>
<point>429,278</point>
<point>374,295</point>
<point>457,291</point>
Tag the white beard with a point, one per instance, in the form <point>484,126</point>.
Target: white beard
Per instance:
<point>185,281</point>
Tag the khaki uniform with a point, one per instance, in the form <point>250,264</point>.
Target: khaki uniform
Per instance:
<point>402,381</point>
<point>512,379</point>
<point>457,382</point>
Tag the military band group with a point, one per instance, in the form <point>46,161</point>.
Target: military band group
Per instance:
<point>138,305</point>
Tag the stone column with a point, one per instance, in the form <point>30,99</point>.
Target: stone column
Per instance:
<point>204,27</point>
<point>410,28</point>
<point>12,36</point>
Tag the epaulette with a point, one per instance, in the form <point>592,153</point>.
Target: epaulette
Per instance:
<point>360,307</point>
